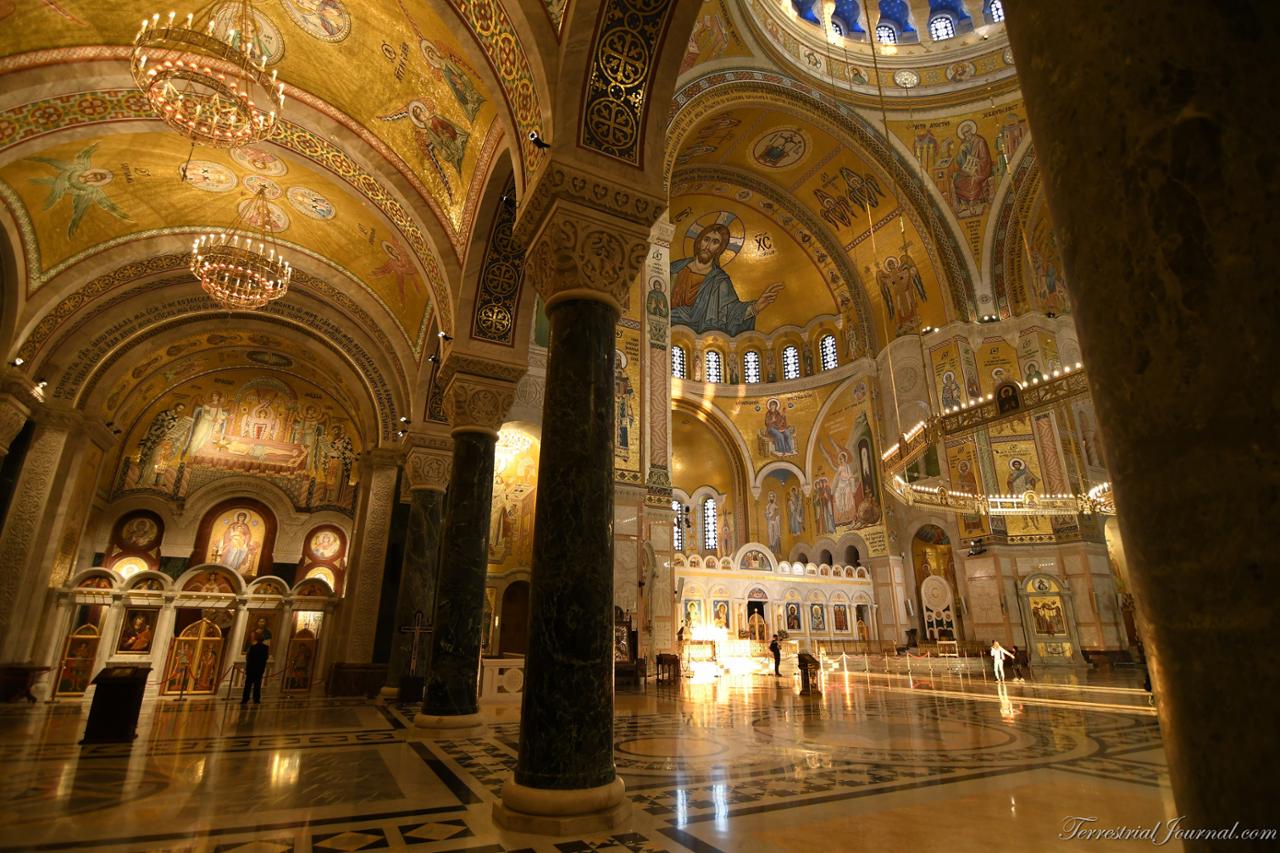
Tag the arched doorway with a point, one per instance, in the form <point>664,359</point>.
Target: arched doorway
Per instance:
<point>513,634</point>
<point>757,624</point>
<point>936,590</point>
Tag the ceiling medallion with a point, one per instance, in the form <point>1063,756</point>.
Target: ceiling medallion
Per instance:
<point>241,267</point>
<point>206,76</point>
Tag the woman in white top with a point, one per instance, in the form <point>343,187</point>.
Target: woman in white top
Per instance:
<point>998,654</point>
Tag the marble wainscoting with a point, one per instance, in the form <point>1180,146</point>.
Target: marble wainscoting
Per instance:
<point>733,764</point>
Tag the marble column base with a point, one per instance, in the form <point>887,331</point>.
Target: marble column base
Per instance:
<point>547,811</point>
<point>449,725</point>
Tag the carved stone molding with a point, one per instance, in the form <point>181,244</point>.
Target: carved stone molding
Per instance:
<point>427,462</point>
<point>460,362</point>
<point>477,403</point>
<point>581,253</point>
<point>567,182</point>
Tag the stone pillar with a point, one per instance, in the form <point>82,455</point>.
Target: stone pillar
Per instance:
<point>426,467</point>
<point>1165,214</point>
<point>359,622</point>
<point>583,262</point>
<point>658,630</point>
<point>49,504</point>
<point>476,407</point>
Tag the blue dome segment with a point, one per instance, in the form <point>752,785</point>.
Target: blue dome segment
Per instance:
<point>898,14</point>
<point>849,13</point>
<point>846,15</point>
<point>807,11</point>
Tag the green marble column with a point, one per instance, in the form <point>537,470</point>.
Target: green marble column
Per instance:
<point>426,469</point>
<point>475,406</point>
<point>566,731</point>
<point>417,591</point>
<point>452,687</point>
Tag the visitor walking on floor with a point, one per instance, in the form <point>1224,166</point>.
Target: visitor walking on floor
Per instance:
<point>777,656</point>
<point>998,654</point>
<point>255,667</point>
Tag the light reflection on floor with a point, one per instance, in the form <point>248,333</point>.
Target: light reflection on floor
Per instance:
<point>925,761</point>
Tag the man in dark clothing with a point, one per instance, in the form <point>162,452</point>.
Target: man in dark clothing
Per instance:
<point>777,656</point>
<point>255,666</point>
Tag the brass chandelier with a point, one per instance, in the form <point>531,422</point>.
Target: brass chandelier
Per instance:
<point>206,76</point>
<point>241,267</point>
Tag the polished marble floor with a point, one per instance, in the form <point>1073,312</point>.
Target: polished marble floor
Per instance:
<point>928,761</point>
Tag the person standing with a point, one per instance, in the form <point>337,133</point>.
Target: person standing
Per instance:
<point>998,655</point>
<point>255,667</point>
<point>777,656</point>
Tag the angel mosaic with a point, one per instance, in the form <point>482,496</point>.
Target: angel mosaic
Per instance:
<point>902,289</point>
<point>83,182</point>
<point>454,72</point>
<point>440,141</point>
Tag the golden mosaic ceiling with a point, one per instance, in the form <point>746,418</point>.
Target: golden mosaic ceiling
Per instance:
<point>812,211</point>
<point>396,71</point>
<point>82,196</point>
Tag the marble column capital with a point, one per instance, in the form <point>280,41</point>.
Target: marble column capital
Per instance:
<point>583,253</point>
<point>427,461</point>
<point>477,403</point>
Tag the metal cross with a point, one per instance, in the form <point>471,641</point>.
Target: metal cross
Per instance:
<point>417,629</point>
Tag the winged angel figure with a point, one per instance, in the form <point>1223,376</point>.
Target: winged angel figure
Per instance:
<point>439,140</point>
<point>83,181</point>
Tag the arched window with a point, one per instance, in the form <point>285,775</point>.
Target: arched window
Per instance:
<point>677,529</point>
<point>710,526</point>
<point>886,34</point>
<point>751,366</point>
<point>791,363</point>
<point>942,27</point>
<point>827,351</point>
<point>712,364</point>
<point>995,11</point>
<point>677,363</point>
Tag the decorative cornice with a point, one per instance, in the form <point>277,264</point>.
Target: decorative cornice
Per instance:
<point>477,404</point>
<point>560,181</point>
<point>461,362</point>
<point>581,253</point>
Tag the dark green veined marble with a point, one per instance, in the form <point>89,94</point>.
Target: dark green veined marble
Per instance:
<point>418,573</point>
<point>566,731</point>
<point>453,678</point>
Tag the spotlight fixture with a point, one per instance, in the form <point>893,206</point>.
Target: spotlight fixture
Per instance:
<point>538,142</point>
<point>433,358</point>
<point>18,362</point>
<point>42,383</point>
<point>403,419</point>
<point>508,200</point>
<point>400,433</point>
<point>442,336</point>
<point>976,548</point>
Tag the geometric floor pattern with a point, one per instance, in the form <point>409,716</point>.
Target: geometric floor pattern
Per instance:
<point>731,764</point>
